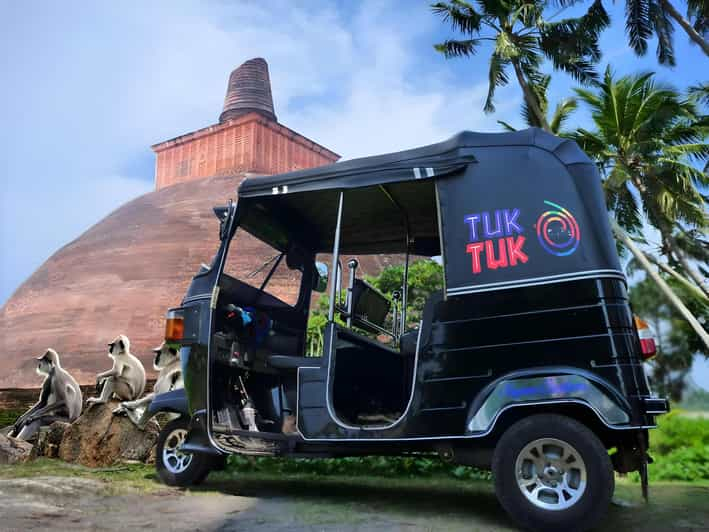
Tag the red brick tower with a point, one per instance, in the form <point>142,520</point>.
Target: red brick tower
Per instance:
<point>247,139</point>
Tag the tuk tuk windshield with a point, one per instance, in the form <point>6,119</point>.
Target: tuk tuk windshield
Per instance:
<point>255,263</point>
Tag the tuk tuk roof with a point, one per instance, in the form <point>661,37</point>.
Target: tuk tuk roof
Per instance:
<point>434,160</point>
<point>430,193</point>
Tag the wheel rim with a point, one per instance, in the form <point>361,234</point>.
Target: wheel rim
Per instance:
<point>551,474</point>
<point>173,458</point>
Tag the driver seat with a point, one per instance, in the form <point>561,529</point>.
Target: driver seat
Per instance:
<point>408,340</point>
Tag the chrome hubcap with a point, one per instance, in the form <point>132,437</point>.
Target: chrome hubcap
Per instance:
<point>174,459</point>
<point>551,474</point>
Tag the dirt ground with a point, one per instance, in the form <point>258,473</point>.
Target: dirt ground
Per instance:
<point>274,504</point>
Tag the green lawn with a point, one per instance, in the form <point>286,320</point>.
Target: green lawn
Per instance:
<point>438,501</point>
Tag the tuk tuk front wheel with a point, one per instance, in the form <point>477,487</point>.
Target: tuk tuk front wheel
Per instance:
<point>175,467</point>
<point>552,473</point>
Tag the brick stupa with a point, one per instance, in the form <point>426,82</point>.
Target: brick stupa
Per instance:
<point>122,274</point>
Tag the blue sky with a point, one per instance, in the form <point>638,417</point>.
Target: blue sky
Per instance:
<point>87,87</point>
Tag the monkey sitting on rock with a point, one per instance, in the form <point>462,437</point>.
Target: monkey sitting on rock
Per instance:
<point>59,400</point>
<point>125,380</point>
<point>167,363</point>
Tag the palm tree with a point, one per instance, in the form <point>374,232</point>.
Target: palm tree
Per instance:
<point>522,39</point>
<point>645,18</point>
<point>556,121</point>
<point>646,139</point>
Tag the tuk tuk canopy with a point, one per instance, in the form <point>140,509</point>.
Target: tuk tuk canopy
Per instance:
<point>503,209</point>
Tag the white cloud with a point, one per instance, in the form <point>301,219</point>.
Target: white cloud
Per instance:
<point>88,87</point>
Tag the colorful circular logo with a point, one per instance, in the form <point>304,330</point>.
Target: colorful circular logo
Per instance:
<point>557,231</point>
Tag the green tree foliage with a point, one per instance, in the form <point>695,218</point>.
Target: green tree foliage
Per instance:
<point>645,19</point>
<point>425,277</point>
<point>556,120</point>
<point>522,38</point>
<point>676,342</point>
<point>650,143</point>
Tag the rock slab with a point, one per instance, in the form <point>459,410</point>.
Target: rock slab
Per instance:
<point>13,451</point>
<point>100,439</point>
<point>48,440</point>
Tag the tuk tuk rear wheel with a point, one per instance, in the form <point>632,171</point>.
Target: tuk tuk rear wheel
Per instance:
<point>552,473</point>
<point>174,467</point>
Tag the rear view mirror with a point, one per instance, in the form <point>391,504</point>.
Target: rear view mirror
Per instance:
<point>222,214</point>
<point>321,277</point>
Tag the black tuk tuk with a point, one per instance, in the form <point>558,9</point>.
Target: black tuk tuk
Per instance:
<point>527,363</point>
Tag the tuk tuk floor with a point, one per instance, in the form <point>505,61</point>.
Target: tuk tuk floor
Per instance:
<point>112,499</point>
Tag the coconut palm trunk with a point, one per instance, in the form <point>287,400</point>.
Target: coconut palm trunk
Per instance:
<point>530,97</point>
<point>670,242</point>
<point>686,25</point>
<point>661,284</point>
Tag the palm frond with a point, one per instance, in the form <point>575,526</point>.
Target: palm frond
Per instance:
<point>572,44</point>
<point>700,92</point>
<point>562,112</point>
<point>698,14</point>
<point>637,24</point>
<point>461,15</point>
<point>506,126</point>
<point>452,48</point>
<point>497,77</point>
<point>663,29</point>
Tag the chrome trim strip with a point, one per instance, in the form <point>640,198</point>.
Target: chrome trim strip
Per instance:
<point>492,426</point>
<point>535,281</point>
<point>488,373</point>
<point>335,260</point>
<point>197,297</point>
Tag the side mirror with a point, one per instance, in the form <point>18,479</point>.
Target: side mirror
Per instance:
<point>222,214</point>
<point>321,277</point>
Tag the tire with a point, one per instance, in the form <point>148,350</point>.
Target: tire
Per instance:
<point>572,493</point>
<point>174,467</point>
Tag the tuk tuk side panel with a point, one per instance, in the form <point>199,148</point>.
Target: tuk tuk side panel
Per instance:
<point>579,328</point>
<point>521,216</point>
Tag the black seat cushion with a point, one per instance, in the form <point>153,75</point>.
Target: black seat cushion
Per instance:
<point>407,343</point>
<point>291,362</point>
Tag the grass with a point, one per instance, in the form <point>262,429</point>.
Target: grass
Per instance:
<point>8,417</point>
<point>119,478</point>
<point>437,501</point>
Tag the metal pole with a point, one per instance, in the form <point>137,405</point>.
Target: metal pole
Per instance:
<point>352,267</point>
<point>335,260</point>
<point>405,288</point>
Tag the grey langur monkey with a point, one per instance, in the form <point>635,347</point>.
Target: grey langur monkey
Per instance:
<point>59,400</point>
<point>167,363</point>
<point>126,379</point>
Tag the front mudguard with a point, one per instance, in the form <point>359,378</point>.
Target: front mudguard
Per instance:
<point>174,402</point>
<point>544,387</point>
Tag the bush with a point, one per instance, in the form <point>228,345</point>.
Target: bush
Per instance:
<point>676,431</point>
<point>383,466</point>
<point>680,447</point>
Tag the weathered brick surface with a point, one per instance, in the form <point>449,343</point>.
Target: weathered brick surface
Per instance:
<point>250,143</point>
<point>121,276</point>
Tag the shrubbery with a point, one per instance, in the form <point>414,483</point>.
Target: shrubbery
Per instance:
<point>367,465</point>
<point>680,447</point>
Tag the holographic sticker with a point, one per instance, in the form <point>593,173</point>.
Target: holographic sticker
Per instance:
<point>557,231</point>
